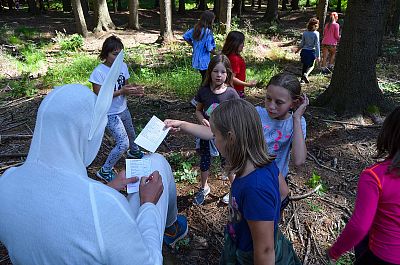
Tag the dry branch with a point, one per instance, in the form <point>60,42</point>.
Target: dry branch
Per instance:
<point>305,195</point>
<point>353,124</point>
<point>319,163</point>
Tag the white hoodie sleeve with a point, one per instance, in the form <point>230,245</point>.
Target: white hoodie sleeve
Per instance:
<point>122,238</point>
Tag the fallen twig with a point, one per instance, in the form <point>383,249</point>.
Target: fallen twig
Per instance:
<point>319,163</point>
<point>305,195</point>
<point>353,124</point>
<point>308,250</point>
<point>330,202</point>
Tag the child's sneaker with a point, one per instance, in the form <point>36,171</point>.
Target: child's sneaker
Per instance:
<point>176,231</point>
<point>135,154</point>
<point>201,196</point>
<point>225,199</point>
<point>105,175</point>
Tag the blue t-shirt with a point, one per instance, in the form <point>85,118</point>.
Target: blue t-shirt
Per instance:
<point>201,48</point>
<point>254,197</point>
<point>279,137</point>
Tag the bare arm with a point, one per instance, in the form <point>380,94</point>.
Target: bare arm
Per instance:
<point>197,130</point>
<point>237,81</point>
<point>200,116</point>
<point>299,149</point>
<point>262,233</point>
<point>125,90</point>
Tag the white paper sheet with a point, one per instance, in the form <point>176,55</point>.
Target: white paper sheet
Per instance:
<point>152,135</point>
<point>137,168</point>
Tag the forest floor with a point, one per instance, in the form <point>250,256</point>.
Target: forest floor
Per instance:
<point>338,150</point>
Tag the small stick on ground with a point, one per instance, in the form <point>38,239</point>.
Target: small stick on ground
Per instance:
<point>351,123</point>
<point>319,163</point>
<point>308,250</point>
<point>305,195</point>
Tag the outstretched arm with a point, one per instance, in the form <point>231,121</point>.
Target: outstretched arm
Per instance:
<point>201,131</point>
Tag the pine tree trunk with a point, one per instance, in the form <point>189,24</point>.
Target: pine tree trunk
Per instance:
<point>354,85</point>
<point>181,7</point>
<point>166,34</point>
<point>85,7</point>
<point>225,16</point>
<point>339,6</point>
<point>102,16</point>
<point>67,7</point>
<point>284,4</point>
<point>217,9</point>
<point>81,27</point>
<point>295,4</point>
<point>307,3</point>
<point>322,9</point>
<point>271,14</point>
<point>203,5</point>
<point>133,19</point>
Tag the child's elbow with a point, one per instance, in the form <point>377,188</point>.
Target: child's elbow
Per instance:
<point>299,162</point>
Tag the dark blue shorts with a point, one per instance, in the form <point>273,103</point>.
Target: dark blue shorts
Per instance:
<point>307,57</point>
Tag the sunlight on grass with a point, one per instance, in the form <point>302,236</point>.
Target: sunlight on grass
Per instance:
<point>75,68</point>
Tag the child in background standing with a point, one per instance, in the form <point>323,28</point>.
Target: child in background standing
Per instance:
<point>252,235</point>
<point>215,90</point>
<point>376,215</point>
<point>284,130</point>
<point>232,48</point>
<point>310,50</point>
<point>119,118</point>
<point>201,38</point>
<point>329,43</point>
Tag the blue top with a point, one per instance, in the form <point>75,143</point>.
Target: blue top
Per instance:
<point>279,136</point>
<point>201,48</point>
<point>254,197</point>
<point>310,41</point>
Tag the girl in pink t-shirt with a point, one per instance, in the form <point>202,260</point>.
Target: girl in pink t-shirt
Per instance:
<point>376,215</point>
<point>233,46</point>
<point>329,43</point>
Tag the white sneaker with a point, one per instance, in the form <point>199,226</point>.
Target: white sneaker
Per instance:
<point>225,199</point>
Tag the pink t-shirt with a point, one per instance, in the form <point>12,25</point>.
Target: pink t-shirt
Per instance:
<point>331,34</point>
<point>376,213</point>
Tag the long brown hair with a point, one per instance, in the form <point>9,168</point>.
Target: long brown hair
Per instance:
<point>313,24</point>
<point>206,21</point>
<point>232,42</point>
<point>239,123</point>
<point>388,142</point>
<point>221,58</point>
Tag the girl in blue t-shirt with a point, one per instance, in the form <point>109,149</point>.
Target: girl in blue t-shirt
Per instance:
<point>251,235</point>
<point>201,38</point>
<point>283,123</point>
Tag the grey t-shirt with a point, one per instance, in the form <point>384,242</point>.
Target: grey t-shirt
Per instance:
<point>210,100</point>
<point>279,137</point>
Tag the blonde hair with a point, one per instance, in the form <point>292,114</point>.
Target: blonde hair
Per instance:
<point>239,123</point>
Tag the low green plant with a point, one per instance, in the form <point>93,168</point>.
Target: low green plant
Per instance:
<point>186,173</point>
<point>345,260</point>
<point>315,207</point>
<point>183,243</point>
<point>71,43</point>
<point>24,87</point>
<point>314,181</point>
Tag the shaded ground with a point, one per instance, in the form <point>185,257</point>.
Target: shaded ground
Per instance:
<point>337,152</point>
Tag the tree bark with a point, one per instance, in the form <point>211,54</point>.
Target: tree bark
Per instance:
<point>81,27</point>
<point>284,4</point>
<point>339,6</point>
<point>393,18</point>
<point>271,14</point>
<point>217,10</point>
<point>322,9</point>
<point>203,5</point>
<point>67,5</point>
<point>133,19</point>
<point>307,3</point>
<point>354,86</point>
<point>181,7</point>
<point>166,34</point>
<point>225,16</point>
<point>295,4</point>
<point>85,7</point>
<point>102,16</point>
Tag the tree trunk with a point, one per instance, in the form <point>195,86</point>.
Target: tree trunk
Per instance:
<point>133,19</point>
<point>354,85</point>
<point>307,3</point>
<point>339,6</point>
<point>322,9</point>
<point>396,19</point>
<point>156,4</point>
<point>181,7</point>
<point>85,7</point>
<point>225,16</point>
<point>237,7</point>
<point>393,18</point>
<point>271,14</point>
<point>217,10</point>
<point>295,4</point>
<point>203,5</point>
<point>67,6</point>
<point>102,16</point>
<point>165,22</point>
<point>284,4</point>
<point>10,4</point>
<point>81,27</point>
<point>32,7</point>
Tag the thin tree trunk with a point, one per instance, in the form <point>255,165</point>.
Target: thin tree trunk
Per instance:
<point>225,16</point>
<point>307,3</point>
<point>181,7</point>
<point>166,34</point>
<point>339,6</point>
<point>284,4</point>
<point>295,4</point>
<point>133,19</point>
<point>217,9</point>
<point>102,16</point>
<point>259,5</point>
<point>271,14</point>
<point>322,9</point>
<point>354,86</point>
<point>203,5</point>
<point>85,7</point>
<point>67,5</point>
<point>81,27</point>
